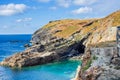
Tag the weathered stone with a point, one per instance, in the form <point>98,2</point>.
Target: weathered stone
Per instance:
<point>99,68</point>
<point>116,61</point>
<point>34,59</point>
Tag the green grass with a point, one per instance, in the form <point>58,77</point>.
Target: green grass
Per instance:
<point>68,31</point>
<point>87,65</point>
<point>70,26</point>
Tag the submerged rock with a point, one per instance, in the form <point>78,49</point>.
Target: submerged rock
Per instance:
<point>27,45</point>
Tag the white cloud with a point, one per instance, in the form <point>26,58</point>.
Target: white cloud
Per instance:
<point>53,8</point>
<point>44,0</point>
<point>83,2</point>
<point>82,10</point>
<point>11,9</point>
<point>67,3</point>
<point>64,3</point>
<point>24,20</point>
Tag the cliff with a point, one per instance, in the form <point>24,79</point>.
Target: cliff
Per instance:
<point>99,64</point>
<point>63,39</point>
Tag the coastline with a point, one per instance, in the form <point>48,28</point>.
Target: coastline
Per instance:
<point>54,70</point>
<point>74,40</point>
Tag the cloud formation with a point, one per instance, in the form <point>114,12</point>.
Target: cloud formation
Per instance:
<point>44,0</point>
<point>82,10</point>
<point>24,20</point>
<point>64,3</point>
<point>68,3</point>
<point>11,9</point>
<point>83,2</point>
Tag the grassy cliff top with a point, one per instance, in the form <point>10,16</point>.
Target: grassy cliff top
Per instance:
<point>67,27</point>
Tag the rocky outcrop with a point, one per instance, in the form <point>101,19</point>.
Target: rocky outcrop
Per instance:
<point>99,64</point>
<point>41,54</point>
<point>45,49</point>
<point>30,59</point>
<point>63,39</point>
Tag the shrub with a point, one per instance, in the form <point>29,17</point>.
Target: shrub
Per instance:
<point>95,57</point>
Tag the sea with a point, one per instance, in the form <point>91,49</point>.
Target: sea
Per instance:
<point>11,44</point>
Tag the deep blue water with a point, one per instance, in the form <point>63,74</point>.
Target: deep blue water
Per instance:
<point>10,44</point>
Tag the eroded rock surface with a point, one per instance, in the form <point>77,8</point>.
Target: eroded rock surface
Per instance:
<point>100,64</point>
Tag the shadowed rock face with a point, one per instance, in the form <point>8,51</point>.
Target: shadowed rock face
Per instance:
<point>63,39</point>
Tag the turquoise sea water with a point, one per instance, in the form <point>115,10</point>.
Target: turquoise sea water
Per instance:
<point>10,44</point>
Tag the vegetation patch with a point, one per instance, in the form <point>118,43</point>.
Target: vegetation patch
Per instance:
<point>70,26</point>
<point>87,65</point>
<point>67,31</point>
<point>95,57</point>
<point>78,38</point>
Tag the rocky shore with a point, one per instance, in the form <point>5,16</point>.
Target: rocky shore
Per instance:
<point>66,39</point>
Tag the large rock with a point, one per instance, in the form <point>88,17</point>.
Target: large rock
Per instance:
<point>29,59</point>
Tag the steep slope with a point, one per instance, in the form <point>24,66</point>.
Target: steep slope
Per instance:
<point>100,29</point>
<point>63,39</point>
<point>99,64</point>
<point>101,61</point>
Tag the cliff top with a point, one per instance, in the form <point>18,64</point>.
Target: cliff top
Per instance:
<point>67,27</point>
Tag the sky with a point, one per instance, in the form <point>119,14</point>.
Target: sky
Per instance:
<point>26,16</point>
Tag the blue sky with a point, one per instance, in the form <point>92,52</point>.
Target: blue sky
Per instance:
<point>26,16</point>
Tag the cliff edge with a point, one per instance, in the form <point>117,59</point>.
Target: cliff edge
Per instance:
<point>63,39</point>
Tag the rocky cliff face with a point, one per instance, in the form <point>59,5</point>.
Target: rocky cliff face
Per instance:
<point>63,39</point>
<point>99,64</point>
